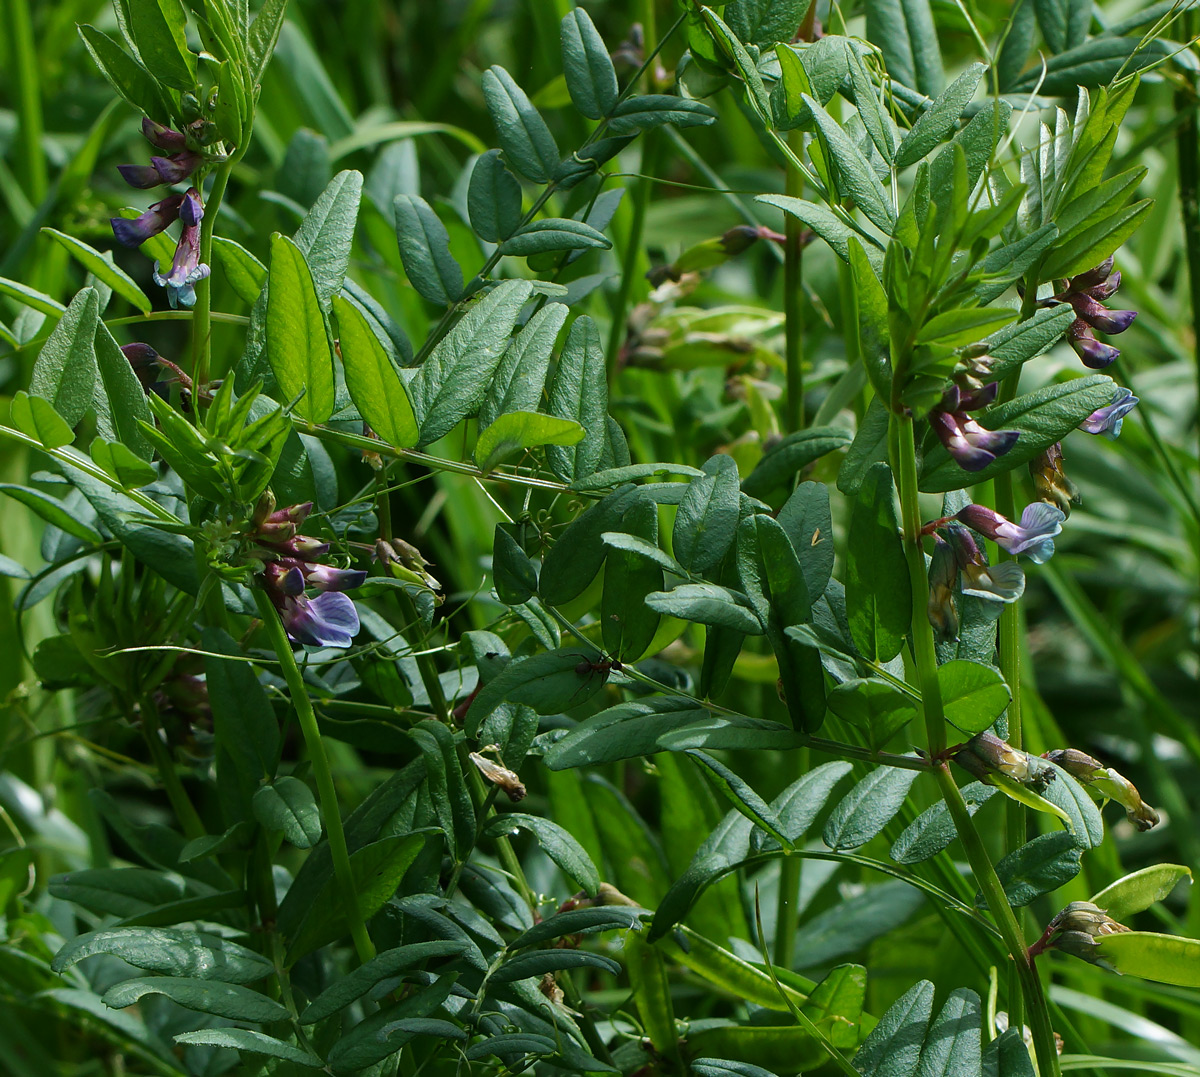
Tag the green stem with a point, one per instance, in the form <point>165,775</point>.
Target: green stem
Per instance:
<point>1187,143</point>
<point>793,298</point>
<point>905,465</point>
<point>633,249</point>
<point>787,910</point>
<point>181,803</point>
<point>426,666</point>
<point>202,320</point>
<point>23,51</point>
<point>339,852</point>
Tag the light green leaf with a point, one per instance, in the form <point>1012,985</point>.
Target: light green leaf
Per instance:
<point>297,339</point>
<point>933,830</point>
<point>64,373</point>
<point>868,807</point>
<point>855,177</point>
<point>103,269</point>
<point>966,325</point>
<point>709,604</point>
<point>520,378</point>
<point>515,431</point>
<point>159,31</point>
<point>124,395</point>
<point>579,391</point>
<point>877,589</point>
<point>372,381</point>
<point>1139,890</point>
<point>973,695</point>
<point>36,417</point>
<point>52,511</point>
<point>245,273</point>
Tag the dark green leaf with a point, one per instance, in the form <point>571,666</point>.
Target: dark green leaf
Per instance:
<point>264,33</point>
<point>579,922</point>
<point>973,695</point>
<point>359,981</point>
<point>893,1048</point>
<point>257,1043</point>
<point>548,683</point>
<point>425,251</point>
<point>1041,865</point>
<point>707,519</point>
<point>159,32</point>
<point>763,22</point>
<point>855,177</point>
<point>877,590</point>
<point>1007,1056</point>
<point>452,382</point>
<point>874,705</point>
<point>933,830</point>
<point>207,996</point>
<point>591,77</point>
<point>627,624</point>
<point>539,962</point>
<point>513,573</point>
<point>493,199</point>
<point>577,555</point>
<point>1064,23</point>
<point>965,325</point>
<point>708,604</point>
<point>172,951</point>
<point>742,797</point>
<point>53,511</point>
<point>1094,63</point>
<point>1069,795</point>
<point>644,111</point>
<point>868,807</point>
<point>806,519</point>
<point>524,136</point>
<point>446,785</point>
<point>555,842</point>
<point>64,373</point>
<point>781,462</point>
<point>953,1046</point>
<point>383,1034</point>
<point>622,732</point>
<point>297,338</point>
<point>802,801</point>
<point>126,398</point>
<point>287,804</point>
<point>1091,246</point>
<point>819,218</point>
<point>521,375</point>
<point>1014,344</point>
<point>554,234</point>
<point>128,77</point>
<point>579,391</point>
<point>939,119</point>
<point>905,31</point>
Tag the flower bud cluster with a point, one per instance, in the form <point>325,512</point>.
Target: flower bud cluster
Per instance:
<point>290,565</point>
<point>187,208</point>
<point>972,445</point>
<point>988,758</point>
<point>1086,293</point>
<point>1107,783</point>
<point>1076,931</point>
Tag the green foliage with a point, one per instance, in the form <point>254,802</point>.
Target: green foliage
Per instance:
<point>436,503</point>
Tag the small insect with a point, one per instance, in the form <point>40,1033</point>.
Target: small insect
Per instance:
<point>816,537</point>
<point>605,665</point>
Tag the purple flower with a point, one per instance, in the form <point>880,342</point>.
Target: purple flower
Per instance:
<point>158,217</point>
<point>329,620</point>
<point>161,170</point>
<point>1107,421</point>
<point>971,445</point>
<point>162,137</point>
<point>328,578</point>
<point>943,571</point>
<point>186,269</point>
<point>1004,582</point>
<point>146,363</point>
<point>1094,354</point>
<point>191,211</point>
<point>1099,316</point>
<point>1033,536</point>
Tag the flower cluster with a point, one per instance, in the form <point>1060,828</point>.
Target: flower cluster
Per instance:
<point>1076,930</point>
<point>1107,783</point>
<point>187,208</point>
<point>959,553</point>
<point>1086,293</point>
<point>973,446</point>
<point>291,564</point>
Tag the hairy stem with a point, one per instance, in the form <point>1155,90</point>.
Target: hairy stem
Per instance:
<point>326,791</point>
<point>202,319</point>
<point>793,297</point>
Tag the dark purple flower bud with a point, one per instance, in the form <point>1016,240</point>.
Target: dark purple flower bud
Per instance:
<point>1097,275</point>
<point>1033,536</point>
<point>1107,421</point>
<point>186,269</point>
<point>971,445</point>
<point>163,138</point>
<point>328,578</point>
<point>143,177</point>
<point>1050,479</point>
<point>943,571</point>
<point>135,232</point>
<point>975,399</point>
<point>145,362</point>
<point>329,620</point>
<point>192,209</point>
<point>1093,353</point>
<point>1004,582</point>
<point>177,167</point>
<point>1099,316</point>
<point>1105,290</point>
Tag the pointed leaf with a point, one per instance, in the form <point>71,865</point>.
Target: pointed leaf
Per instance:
<point>373,382</point>
<point>297,340</point>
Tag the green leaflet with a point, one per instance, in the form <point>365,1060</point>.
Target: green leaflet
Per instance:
<point>1165,958</point>
<point>64,374</point>
<point>255,1043</point>
<point>627,624</point>
<point>742,797</point>
<point>124,396</point>
<point>708,604</point>
<point>208,996</point>
<point>556,843</point>
<point>877,589</point>
<point>578,553</point>
<point>126,75</point>
<point>707,518</point>
<point>589,72</point>
<point>159,28</point>
<point>622,732</point>
<point>579,392</point>
<point>524,136</point>
<point>521,376</point>
<point>172,951</point>
<point>245,273</point>
<point>868,807</point>
<point>102,268</point>
<point>373,382</point>
<point>288,805</point>
<point>425,251</point>
<point>933,830</point>
<point>1041,865</point>
<point>905,31</point>
<point>644,111</point>
<point>855,177</point>
<point>894,1047</point>
<point>781,462</point>
<point>552,234</point>
<point>938,120</point>
<point>973,695</point>
<point>297,338</point>
<point>493,199</point>
<point>452,382</point>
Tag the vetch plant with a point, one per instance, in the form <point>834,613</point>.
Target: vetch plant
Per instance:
<point>482,589</point>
